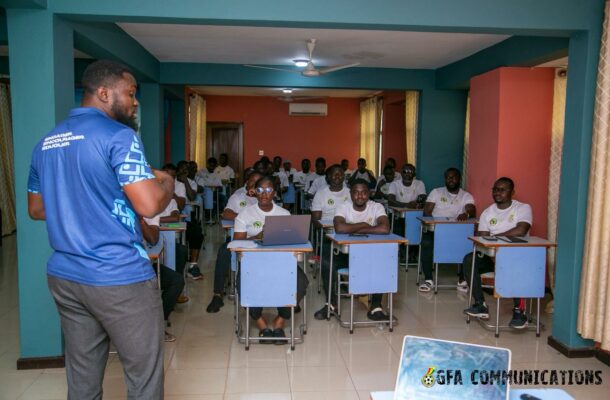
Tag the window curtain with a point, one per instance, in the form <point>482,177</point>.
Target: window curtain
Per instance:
<point>411,113</point>
<point>7,184</point>
<point>370,124</point>
<point>466,144</point>
<point>197,130</point>
<point>594,302</point>
<point>559,108</point>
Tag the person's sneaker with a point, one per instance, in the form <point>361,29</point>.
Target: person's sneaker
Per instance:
<point>323,312</point>
<point>462,286</point>
<point>169,337</point>
<point>519,320</point>
<point>377,314</point>
<point>182,299</point>
<point>194,273</point>
<point>266,333</point>
<point>215,304</point>
<point>279,333</point>
<point>313,259</point>
<point>478,311</point>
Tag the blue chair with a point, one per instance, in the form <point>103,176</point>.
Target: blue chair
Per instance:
<point>451,244</point>
<point>413,233</point>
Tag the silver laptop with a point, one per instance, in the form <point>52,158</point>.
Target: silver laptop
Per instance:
<point>442,369</point>
<point>285,229</point>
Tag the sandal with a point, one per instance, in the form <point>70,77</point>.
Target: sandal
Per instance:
<point>376,314</point>
<point>426,286</point>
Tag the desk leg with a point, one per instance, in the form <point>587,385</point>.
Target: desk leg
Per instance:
<point>330,279</point>
<point>497,334</point>
<point>292,328</point>
<point>421,234</point>
<point>538,317</point>
<point>391,307</point>
<point>320,263</point>
<point>435,278</point>
<point>474,254</point>
<point>351,313</point>
<point>247,328</point>
<point>304,310</point>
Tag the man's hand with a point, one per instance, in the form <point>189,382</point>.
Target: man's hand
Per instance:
<point>462,217</point>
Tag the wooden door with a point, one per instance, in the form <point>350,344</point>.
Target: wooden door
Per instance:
<point>227,137</point>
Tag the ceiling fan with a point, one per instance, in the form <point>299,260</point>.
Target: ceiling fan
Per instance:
<point>310,69</point>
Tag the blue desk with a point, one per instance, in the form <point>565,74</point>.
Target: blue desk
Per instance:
<point>451,242</point>
<point>519,272</point>
<point>269,267</point>
<point>380,251</point>
<point>412,228</point>
<point>169,231</point>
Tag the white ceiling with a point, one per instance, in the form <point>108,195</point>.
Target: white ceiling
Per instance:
<point>279,46</point>
<point>264,91</point>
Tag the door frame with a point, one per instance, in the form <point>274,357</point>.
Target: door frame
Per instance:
<point>240,144</point>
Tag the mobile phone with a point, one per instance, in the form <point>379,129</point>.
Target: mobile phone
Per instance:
<point>490,238</point>
<point>359,234</point>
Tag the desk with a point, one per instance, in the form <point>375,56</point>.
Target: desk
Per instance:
<point>269,267</point>
<point>450,242</point>
<point>514,261</point>
<point>412,228</point>
<point>168,231</point>
<point>208,201</point>
<point>364,252</point>
<point>155,253</point>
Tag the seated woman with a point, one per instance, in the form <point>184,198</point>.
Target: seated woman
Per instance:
<point>249,225</point>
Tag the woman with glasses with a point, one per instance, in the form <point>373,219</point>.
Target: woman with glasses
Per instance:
<point>248,226</point>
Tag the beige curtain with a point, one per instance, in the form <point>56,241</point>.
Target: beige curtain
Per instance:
<point>197,130</point>
<point>466,144</point>
<point>7,184</point>
<point>370,124</point>
<point>411,113</point>
<point>594,302</point>
<point>559,108</point>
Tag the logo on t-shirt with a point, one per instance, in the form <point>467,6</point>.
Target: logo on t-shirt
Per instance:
<point>493,221</point>
<point>242,203</point>
<point>330,202</point>
<point>511,218</point>
<point>369,221</point>
<point>124,214</point>
<point>257,224</point>
<point>443,199</point>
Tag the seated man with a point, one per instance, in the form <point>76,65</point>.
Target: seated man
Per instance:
<point>505,217</point>
<point>390,162</point>
<point>316,181</point>
<point>383,184</point>
<point>360,216</point>
<point>172,281</point>
<point>363,173</point>
<point>451,202</point>
<point>249,225</point>
<point>237,203</point>
<point>206,177</point>
<point>345,167</point>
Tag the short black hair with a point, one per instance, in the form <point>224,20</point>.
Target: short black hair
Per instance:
<point>330,169</point>
<point>453,169</point>
<point>212,160</point>
<point>103,73</point>
<point>388,168</point>
<point>360,182</point>
<point>320,159</point>
<point>265,178</point>
<point>508,181</point>
<point>169,167</point>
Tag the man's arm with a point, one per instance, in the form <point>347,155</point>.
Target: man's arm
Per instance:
<point>471,211</point>
<point>395,203</point>
<point>428,208</point>
<point>149,232</point>
<point>150,196</point>
<point>173,217</point>
<point>36,206</point>
<point>190,193</point>
<point>521,229</point>
<point>228,214</point>
<point>316,216</point>
<point>382,227</point>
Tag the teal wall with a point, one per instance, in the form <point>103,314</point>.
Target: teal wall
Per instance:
<point>178,139</point>
<point>41,41</point>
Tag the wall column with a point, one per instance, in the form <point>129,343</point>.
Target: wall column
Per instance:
<point>152,130</point>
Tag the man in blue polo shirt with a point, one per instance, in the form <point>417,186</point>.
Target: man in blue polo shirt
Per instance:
<point>88,179</point>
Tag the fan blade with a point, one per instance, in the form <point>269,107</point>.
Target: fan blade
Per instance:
<point>272,68</point>
<point>307,98</point>
<point>336,68</point>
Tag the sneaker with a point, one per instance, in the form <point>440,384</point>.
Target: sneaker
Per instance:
<point>313,260</point>
<point>519,320</point>
<point>169,337</point>
<point>323,312</point>
<point>194,273</point>
<point>478,311</point>
<point>265,333</point>
<point>462,286</point>
<point>279,333</point>
<point>215,304</point>
<point>426,286</point>
<point>377,314</point>
<point>182,299</point>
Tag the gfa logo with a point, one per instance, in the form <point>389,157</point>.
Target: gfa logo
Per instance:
<point>428,380</point>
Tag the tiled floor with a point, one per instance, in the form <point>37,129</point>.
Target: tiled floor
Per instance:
<point>207,362</point>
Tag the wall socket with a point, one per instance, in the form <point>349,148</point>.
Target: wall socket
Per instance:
<point>261,152</point>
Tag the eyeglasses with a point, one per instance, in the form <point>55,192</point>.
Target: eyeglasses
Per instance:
<point>261,190</point>
<point>408,171</point>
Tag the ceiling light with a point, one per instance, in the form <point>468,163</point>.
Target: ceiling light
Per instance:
<point>301,62</point>
<point>286,91</point>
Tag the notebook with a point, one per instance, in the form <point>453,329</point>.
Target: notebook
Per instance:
<point>285,229</point>
<point>442,369</point>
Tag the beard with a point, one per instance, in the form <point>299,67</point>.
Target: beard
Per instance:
<point>121,116</point>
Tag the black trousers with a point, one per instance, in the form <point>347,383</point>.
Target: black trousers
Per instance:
<point>172,284</point>
<point>222,267</point>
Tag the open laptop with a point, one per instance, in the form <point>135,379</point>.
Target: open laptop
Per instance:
<point>429,367</point>
<point>285,229</point>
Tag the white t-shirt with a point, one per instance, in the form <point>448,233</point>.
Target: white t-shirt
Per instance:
<point>407,194</point>
<point>366,175</point>
<point>225,173</point>
<point>301,177</point>
<point>239,200</point>
<point>206,178</point>
<point>397,176</point>
<point>327,201</point>
<point>179,189</point>
<point>369,215</point>
<point>496,221</point>
<point>240,191</point>
<point>447,204</point>
<point>171,207</point>
<point>252,219</point>
<point>311,178</point>
<point>318,184</point>
<point>193,184</point>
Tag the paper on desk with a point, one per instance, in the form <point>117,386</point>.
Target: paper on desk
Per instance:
<point>242,244</point>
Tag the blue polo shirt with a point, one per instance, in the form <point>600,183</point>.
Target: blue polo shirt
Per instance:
<point>80,168</point>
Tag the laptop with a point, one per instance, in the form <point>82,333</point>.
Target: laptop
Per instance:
<point>429,369</point>
<point>285,229</point>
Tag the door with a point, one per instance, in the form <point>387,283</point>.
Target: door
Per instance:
<point>227,137</point>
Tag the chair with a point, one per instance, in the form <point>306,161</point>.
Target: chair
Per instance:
<point>413,234</point>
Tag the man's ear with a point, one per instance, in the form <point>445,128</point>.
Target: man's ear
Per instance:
<point>103,94</point>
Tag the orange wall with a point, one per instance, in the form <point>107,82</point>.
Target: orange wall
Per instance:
<point>268,127</point>
<point>394,127</point>
<point>510,135</point>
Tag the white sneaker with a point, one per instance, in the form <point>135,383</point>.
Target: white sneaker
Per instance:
<point>462,286</point>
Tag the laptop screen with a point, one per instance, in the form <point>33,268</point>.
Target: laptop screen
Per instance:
<point>441,369</point>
